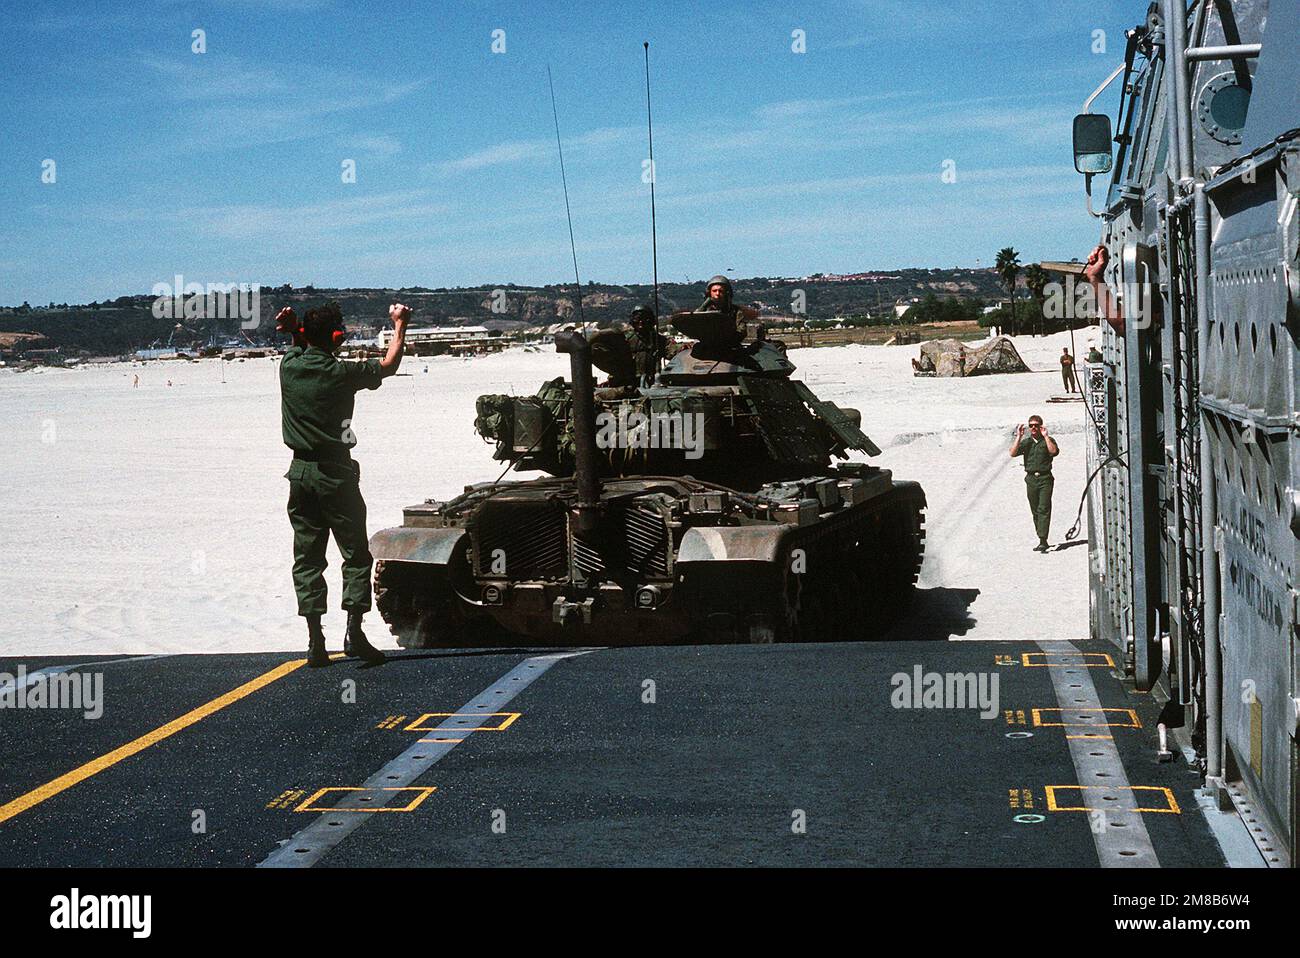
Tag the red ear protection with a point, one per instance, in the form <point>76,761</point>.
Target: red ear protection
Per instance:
<point>336,337</point>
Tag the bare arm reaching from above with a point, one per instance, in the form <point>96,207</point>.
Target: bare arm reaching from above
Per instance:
<point>1107,308</point>
<point>400,315</point>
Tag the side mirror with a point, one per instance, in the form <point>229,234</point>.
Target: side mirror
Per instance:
<point>1092,143</point>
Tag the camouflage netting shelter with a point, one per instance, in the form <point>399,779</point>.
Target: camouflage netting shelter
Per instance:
<point>948,357</point>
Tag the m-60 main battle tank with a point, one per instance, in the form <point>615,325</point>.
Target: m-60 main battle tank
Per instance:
<point>699,504</point>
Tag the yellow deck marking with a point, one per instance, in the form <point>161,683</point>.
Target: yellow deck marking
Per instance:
<point>1020,798</point>
<point>418,724</point>
<point>287,798</point>
<point>1090,660</point>
<point>1173,808</point>
<point>425,792</point>
<point>1130,714</point>
<point>37,795</point>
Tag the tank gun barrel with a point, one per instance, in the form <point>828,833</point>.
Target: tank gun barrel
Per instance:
<point>586,457</point>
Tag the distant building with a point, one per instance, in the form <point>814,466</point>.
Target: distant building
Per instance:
<point>17,345</point>
<point>437,340</point>
<point>45,357</point>
<point>436,334</point>
<point>159,352</point>
<point>901,308</point>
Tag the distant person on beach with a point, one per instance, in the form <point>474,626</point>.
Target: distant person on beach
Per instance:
<point>1067,371</point>
<point>317,395</point>
<point>1038,450</point>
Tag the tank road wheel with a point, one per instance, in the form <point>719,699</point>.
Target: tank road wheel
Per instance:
<point>871,562</point>
<point>763,629</point>
<point>814,621</point>
<point>885,572</point>
<point>850,609</point>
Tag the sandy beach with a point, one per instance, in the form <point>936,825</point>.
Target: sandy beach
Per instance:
<point>151,519</point>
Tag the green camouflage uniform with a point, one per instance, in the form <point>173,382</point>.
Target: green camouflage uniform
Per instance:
<point>647,349</point>
<point>1038,481</point>
<point>317,393</point>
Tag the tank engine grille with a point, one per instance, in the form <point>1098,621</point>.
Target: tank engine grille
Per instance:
<point>532,536</point>
<point>639,544</point>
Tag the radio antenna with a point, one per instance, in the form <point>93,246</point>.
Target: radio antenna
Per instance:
<point>650,129</point>
<point>564,180</point>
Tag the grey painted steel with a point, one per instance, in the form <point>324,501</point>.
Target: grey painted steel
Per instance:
<point>1223,53</point>
<point>1087,104</point>
<point>1119,832</point>
<point>1141,384</point>
<point>1230,831</point>
<point>1277,87</point>
<point>1179,519</point>
<point>1267,843</point>
<point>1202,537</point>
<point>312,843</point>
<point>1209,510</point>
<point>1249,390</point>
<point>1176,65</point>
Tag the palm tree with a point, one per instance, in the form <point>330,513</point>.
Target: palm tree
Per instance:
<point>1008,269</point>
<point>1036,279</point>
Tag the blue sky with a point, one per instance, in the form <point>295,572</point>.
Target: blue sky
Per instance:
<point>226,166</point>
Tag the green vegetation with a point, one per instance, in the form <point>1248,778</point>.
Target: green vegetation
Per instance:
<point>119,325</point>
<point>932,309</point>
<point>1008,269</point>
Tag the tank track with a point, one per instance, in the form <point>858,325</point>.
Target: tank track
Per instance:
<point>835,600</point>
<point>423,612</point>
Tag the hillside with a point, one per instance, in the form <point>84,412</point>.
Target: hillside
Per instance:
<point>128,323</point>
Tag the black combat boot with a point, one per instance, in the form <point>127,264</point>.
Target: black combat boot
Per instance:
<point>355,642</point>
<point>316,654</point>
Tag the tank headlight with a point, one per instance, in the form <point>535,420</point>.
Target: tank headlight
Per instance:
<point>647,597</point>
<point>493,595</point>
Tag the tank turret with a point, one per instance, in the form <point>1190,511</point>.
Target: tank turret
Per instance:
<point>724,408</point>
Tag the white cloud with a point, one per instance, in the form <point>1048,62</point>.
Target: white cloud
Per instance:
<point>374,145</point>
<point>791,109</point>
<point>519,151</point>
<point>233,104</point>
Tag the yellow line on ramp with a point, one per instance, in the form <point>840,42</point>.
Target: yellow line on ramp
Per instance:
<point>37,795</point>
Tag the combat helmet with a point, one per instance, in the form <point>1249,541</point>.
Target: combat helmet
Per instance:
<point>727,291</point>
<point>643,315</point>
